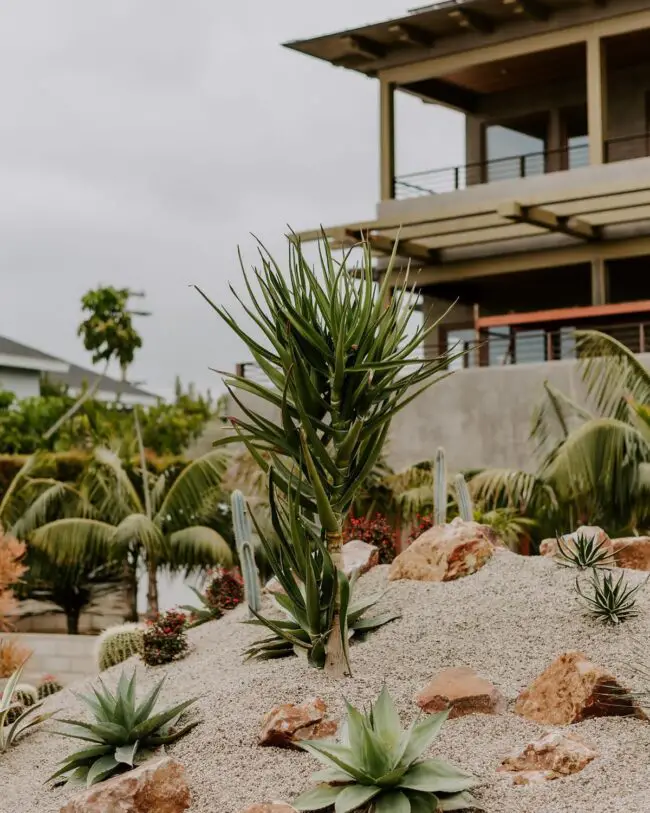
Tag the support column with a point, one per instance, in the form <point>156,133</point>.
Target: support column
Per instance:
<point>557,157</point>
<point>474,150</point>
<point>599,282</point>
<point>597,99</point>
<point>460,317</point>
<point>386,140</point>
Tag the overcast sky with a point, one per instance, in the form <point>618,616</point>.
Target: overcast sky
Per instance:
<point>142,140</point>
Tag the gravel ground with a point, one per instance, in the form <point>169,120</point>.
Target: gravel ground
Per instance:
<point>509,621</point>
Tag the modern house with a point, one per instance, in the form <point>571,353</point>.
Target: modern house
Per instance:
<point>546,225</point>
<point>23,368</point>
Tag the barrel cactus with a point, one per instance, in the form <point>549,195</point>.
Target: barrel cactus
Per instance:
<point>245,551</point>
<point>440,488</point>
<point>14,713</point>
<point>116,644</point>
<point>47,686</point>
<point>465,506</point>
<point>26,694</point>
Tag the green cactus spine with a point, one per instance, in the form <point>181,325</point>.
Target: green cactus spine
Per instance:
<point>465,506</point>
<point>47,686</point>
<point>116,644</point>
<point>440,488</point>
<point>243,536</point>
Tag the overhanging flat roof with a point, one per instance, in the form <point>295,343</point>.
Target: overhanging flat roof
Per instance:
<point>406,39</point>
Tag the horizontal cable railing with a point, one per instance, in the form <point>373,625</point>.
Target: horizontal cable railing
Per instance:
<point>625,148</point>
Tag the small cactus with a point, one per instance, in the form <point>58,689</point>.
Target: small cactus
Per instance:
<point>245,551</point>
<point>116,644</point>
<point>48,685</point>
<point>440,489</point>
<point>15,710</point>
<point>465,506</point>
<point>25,694</point>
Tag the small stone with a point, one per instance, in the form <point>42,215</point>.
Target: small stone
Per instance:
<point>549,547</point>
<point>632,552</point>
<point>554,755</point>
<point>287,724</point>
<point>359,556</point>
<point>573,689</point>
<point>445,552</point>
<point>270,807</point>
<point>463,690</point>
<point>156,786</point>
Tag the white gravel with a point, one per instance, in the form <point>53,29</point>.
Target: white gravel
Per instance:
<point>509,621</point>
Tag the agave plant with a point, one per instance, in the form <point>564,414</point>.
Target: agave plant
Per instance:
<point>378,767</point>
<point>584,552</point>
<point>306,573</point>
<point>611,601</point>
<point>122,732</point>
<point>340,363</point>
<point>15,718</point>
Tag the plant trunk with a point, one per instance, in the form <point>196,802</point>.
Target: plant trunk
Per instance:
<point>131,590</point>
<point>72,620</point>
<point>336,659</point>
<point>152,587</point>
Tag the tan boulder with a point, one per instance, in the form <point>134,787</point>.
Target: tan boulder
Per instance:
<point>549,547</point>
<point>632,552</point>
<point>463,690</point>
<point>445,552</point>
<point>573,689</point>
<point>156,786</point>
<point>287,724</point>
<point>554,755</point>
<point>270,807</point>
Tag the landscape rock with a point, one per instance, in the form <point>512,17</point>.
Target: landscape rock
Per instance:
<point>464,690</point>
<point>156,786</point>
<point>287,724</point>
<point>554,755</point>
<point>632,552</point>
<point>549,547</point>
<point>270,807</point>
<point>445,552</point>
<point>573,689</point>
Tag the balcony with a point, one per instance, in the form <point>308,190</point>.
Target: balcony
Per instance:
<point>452,179</point>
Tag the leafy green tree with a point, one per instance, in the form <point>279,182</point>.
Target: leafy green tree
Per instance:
<point>108,332</point>
<point>340,364</point>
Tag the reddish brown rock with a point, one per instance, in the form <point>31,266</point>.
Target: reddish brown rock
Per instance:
<point>573,689</point>
<point>156,786</point>
<point>463,690</point>
<point>632,552</point>
<point>549,547</point>
<point>445,552</point>
<point>286,725</point>
<point>270,807</point>
<point>554,755</point>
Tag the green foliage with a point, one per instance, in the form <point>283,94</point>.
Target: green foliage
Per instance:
<point>440,488</point>
<point>379,766</point>
<point>205,611</point>
<point>108,331</point>
<point>16,719</point>
<point>47,686</point>
<point>245,551</point>
<point>122,732</point>
<point>584,552</point>
<point>308,602</point>
<point>116,644</point>
<point>610,601</point>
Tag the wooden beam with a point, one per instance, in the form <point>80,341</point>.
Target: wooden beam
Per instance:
<point>535,9</point>
<point>564,314</point>
<point>597,99</point>
<point>446,93</point>
<point>406,248</point>
<point>545,219</point>
<point>469,18</point>
<point>386,140</point>
<point>356,45</point>
<point>412,35</point>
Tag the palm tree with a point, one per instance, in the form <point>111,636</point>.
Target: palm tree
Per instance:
<point>593,463</point>
<point>144,519</point>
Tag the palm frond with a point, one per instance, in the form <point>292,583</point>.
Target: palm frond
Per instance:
<point>9,512</point>
<point>53,496</point>
<point>554,419</point>
<point>511,488</point>
<point>196,546</point>
<point>185,496</point>
<point>121,488</point>
<point>70,541</point>
<point>138,528</point>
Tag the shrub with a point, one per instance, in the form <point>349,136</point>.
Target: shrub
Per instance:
<point>375,531</point>
<point>584,552</point>
<point>121,732</point>
<point>11,569</point>
<point>118,643</point>
<point>12,655</point>
<point>48,685</point>
<point>204,612</point>
<point>165,639</point>
<point>380,763</point>
<point>225,589</point>
<point>611,602</point>
<point>422,524</point>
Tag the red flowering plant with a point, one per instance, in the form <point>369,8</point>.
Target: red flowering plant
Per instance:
<point>422,524</point>
<point>226,589</point>
<point>375,531</point>
<point>165,638</point>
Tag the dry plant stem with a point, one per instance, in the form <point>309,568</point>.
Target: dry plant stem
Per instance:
<point>336,660</point>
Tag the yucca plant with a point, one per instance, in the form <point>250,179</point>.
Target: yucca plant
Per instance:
<point>584,552</point>
<point>611,601</point>
<point>16,718</point>
<point>122,732</point>
<point>378,767</point>
<point>339,363</point>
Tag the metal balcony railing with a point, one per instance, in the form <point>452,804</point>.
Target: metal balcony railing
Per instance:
<point>450,179</point>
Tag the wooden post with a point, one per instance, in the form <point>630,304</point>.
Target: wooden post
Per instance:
<point>387,140</point>
<point>597,98</point>
<point>599,282</point>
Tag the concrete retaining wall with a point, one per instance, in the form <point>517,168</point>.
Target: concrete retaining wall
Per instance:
<point>67,657</point>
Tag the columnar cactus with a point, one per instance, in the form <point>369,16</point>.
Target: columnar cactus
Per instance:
<point>243,536</point>
<point>116,644</point>
<point>440,488</point>
<point>465,506</point>
<point>48,685</point>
